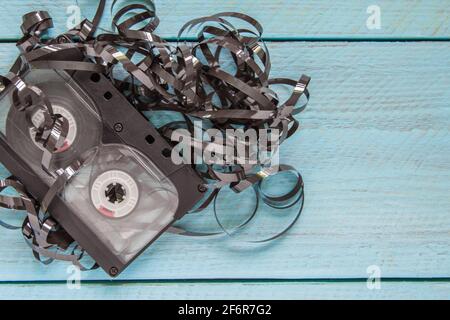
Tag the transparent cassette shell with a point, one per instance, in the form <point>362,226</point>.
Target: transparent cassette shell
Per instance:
<point>149,198</point>
<point>67,99</point>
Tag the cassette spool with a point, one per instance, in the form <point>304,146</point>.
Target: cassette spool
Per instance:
<point>85,129</point>
<point>127,193</point>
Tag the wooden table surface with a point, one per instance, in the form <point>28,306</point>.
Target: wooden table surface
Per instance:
<point>374,152</point>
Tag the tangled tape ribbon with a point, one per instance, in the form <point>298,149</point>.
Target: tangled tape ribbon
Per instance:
<point>189,79</point>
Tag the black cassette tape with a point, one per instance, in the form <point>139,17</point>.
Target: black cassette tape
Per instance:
<point>128,191</point>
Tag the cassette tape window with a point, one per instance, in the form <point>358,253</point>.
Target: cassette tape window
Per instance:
<point>123,198</point>
<point>85,130</point>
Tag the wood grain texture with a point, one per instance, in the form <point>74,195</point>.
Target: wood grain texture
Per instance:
<point>228,291</point>
<point>282,19</point>
<point>374,153</point>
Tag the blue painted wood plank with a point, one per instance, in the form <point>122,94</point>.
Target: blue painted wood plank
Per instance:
<point>374,153</point>
<point>232,291</point>
<point>284,19</point>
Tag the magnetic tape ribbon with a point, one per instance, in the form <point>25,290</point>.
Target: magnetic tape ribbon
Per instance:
<point>285,201</point>
<point>40,230</point>
<point>186,78</point>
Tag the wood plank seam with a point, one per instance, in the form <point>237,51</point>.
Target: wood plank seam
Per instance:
<point>232,281</point>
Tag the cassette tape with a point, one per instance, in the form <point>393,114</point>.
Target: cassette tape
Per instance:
<point>128,191</point>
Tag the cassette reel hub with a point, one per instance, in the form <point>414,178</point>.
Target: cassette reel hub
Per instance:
<point>38,118</point>
<point>115,194</point>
